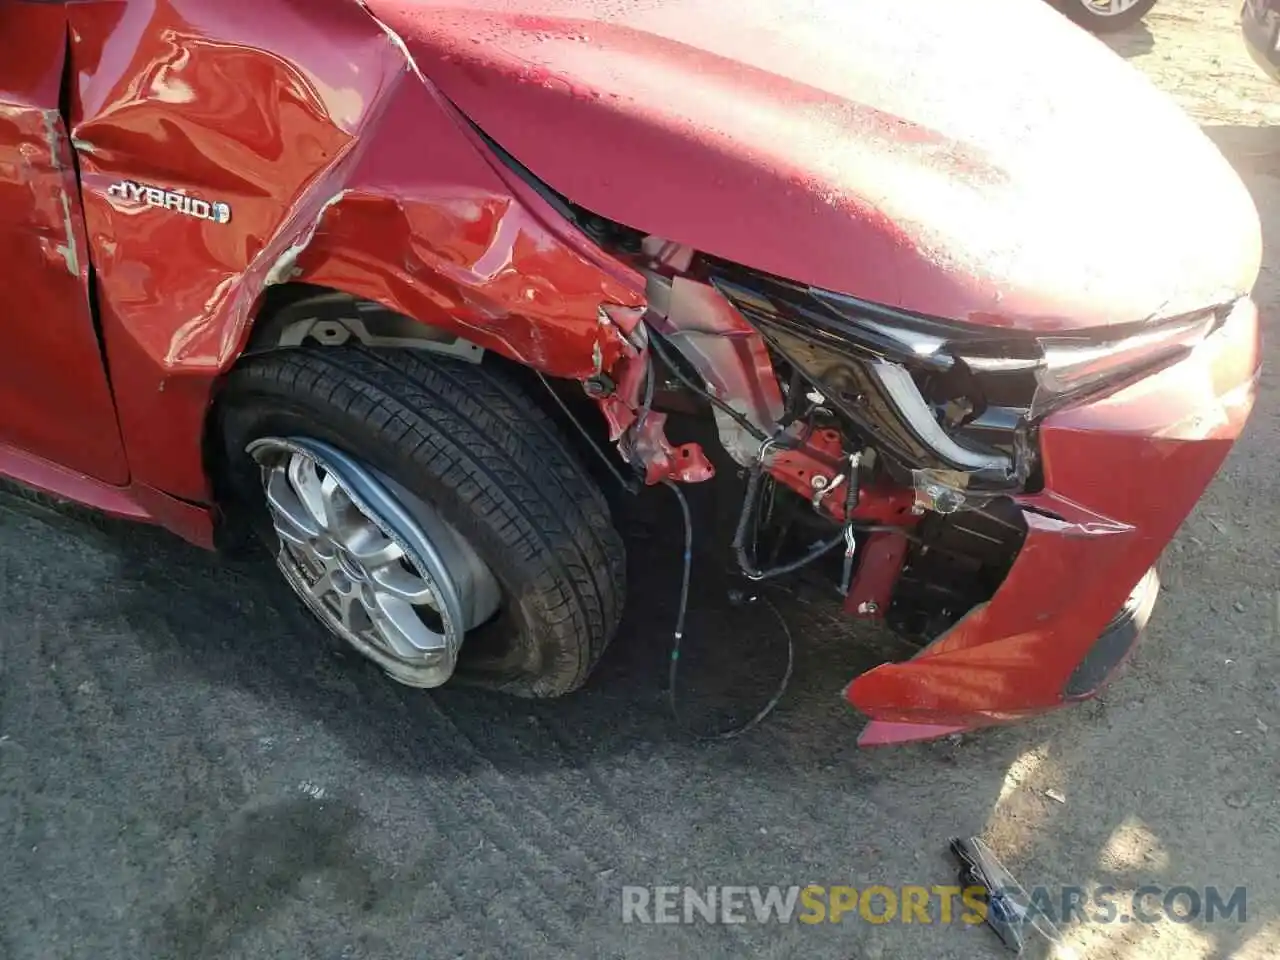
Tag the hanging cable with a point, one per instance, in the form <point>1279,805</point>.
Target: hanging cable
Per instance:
<point>673,663</point>
<point>630,486</point>
<point>744,558</point>
<point>744,522</point>
<point>655,343</point>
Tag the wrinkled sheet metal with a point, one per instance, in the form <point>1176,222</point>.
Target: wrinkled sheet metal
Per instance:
<point>347,171</point>
<point>640,434</point>
<point>53,389</point>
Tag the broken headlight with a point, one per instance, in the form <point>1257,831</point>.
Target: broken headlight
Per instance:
<point>939,395</point>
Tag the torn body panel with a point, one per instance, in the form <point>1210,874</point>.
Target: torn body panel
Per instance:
<point>1099,531</point>
<point>53,388</point>
<point>344,169</point>
<point>922,410</point>
<point>640,432</point>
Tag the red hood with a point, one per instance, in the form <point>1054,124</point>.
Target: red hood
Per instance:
<point>975,160</point>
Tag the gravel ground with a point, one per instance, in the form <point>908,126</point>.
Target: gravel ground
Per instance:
<point>183,773</point>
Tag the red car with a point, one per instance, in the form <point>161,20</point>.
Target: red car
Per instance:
<point>381,280</point>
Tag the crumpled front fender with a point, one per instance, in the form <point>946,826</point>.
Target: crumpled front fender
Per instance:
<point>340,166</point>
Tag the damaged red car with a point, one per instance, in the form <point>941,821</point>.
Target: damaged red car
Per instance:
<point>376,280</point>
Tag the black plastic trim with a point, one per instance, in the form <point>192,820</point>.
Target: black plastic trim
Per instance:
<point>1115,641</point>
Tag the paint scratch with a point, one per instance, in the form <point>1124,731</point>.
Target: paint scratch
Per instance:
<point>54,139</point>
<point>285,267</point>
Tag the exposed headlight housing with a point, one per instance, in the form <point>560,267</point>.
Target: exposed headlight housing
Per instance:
<point>943,395</point>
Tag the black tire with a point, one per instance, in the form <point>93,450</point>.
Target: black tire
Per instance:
<point>465,438</point>
<point>1086,16</point>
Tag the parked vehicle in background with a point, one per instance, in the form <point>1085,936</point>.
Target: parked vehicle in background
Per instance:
<point>1260,24</point>
<point>1105,16</point>
<point>378,280</point>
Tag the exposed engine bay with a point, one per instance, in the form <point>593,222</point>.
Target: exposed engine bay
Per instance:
<point>880,449</point>
<point>895,493</point>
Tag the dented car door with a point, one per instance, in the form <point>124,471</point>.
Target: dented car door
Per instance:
<point>55,400</point>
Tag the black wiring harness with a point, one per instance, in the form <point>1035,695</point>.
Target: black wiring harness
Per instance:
<point>634,486</point>
<point>746,520</point>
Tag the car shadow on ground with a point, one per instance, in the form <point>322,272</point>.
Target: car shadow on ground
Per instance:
<point>1131,42</point>
<point>1252,150</point>
<point>232,622</point>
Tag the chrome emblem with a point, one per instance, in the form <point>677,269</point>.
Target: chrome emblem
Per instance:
<point>171,200</point>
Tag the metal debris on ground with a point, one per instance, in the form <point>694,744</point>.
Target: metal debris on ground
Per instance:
<point>1010,912</point>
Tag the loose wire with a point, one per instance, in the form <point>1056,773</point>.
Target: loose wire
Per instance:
<point>634,487</point>
<point>673,665</point>
<point>744,522</point>
<point>655,342</point>
<point>628,485</point>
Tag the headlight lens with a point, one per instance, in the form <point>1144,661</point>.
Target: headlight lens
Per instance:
<point>1075,368</point>
<point>985,389</point>
<point>1069,369</point>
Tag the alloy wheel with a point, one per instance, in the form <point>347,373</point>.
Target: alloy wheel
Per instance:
<point>378,565</point>
<point>1108,8</point>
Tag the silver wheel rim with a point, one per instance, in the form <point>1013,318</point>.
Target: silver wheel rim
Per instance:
<point>377,564</point>
<point>1107,8</point>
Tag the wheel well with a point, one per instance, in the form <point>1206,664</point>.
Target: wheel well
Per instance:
<point>293,315</point>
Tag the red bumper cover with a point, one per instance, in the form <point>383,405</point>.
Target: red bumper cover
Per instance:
<point>1121,474</point>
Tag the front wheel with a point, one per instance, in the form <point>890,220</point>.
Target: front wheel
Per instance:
<point>427,513</point>
<point>1106,16</point>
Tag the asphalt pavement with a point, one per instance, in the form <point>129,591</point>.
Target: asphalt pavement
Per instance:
<point>186,773</point>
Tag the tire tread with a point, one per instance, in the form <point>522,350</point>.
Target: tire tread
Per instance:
<point>474,430</point>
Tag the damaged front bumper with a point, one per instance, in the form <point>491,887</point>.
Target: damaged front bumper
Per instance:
<point>1120,475</point>
<point>1058,506</point>
<point>1055,468</point>
<point>1003,493</point>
